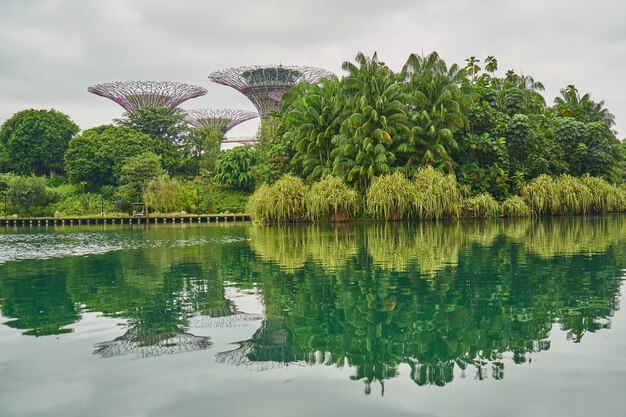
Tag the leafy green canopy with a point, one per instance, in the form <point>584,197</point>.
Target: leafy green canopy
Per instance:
<point>95,158</point>
<point>170,134</point>
<point>34,141</point>
<point>234,168</point>
<point>495,133</point>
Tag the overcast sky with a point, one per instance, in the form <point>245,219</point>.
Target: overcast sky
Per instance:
<point>52,50</point>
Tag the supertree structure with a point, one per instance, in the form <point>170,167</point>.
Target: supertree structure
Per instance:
<point>221,120</point>
<point>265,85</point>
<point>135,95</point>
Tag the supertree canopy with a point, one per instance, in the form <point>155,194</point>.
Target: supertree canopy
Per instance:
<point>265,86</point>
<point>135,95</point>
<point>221,120</point>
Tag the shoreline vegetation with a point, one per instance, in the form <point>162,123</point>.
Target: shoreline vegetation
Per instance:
<point>430,196</point>
<point>430,141</point>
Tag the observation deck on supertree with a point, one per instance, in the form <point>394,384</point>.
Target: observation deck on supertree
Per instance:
<point>135,95</point>
<point>265,85</point>
<point>222,120</point>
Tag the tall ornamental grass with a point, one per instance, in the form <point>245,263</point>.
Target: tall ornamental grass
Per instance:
<point>282,202</point>
<point>541,195</point>
<point>331,199</point>
<point>436,195</point>
<point>390,197</point>
<point>605,197</point>
<point>575,197</point>
<point>515,206</point>
<point>571,195</point>
<point>482,206</point>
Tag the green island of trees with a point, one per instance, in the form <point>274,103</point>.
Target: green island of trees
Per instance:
<point>429,141</point>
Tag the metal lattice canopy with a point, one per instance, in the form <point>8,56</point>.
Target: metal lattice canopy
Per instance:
<point>135,95</point>
<point>221,120</point>
<point>265,85</point>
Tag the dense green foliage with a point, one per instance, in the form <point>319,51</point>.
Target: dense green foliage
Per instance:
<point>35,141</point>
<point>27,194</point>
<point>136,173</point>
<point>234,168</point>
<point>461,136</point>
<point>169,132</point>
<point>495,133</point>
<point>95,158</point>
<point>283,201</point>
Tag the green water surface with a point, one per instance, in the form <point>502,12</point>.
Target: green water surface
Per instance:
<point>494,318</point>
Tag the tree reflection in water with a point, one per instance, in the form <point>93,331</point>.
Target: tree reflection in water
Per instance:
<point>436,296</point>
<point>442,299</point>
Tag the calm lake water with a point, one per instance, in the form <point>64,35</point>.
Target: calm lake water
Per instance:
<point>498,318</point>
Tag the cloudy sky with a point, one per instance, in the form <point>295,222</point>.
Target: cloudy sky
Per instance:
<point>52,50</point>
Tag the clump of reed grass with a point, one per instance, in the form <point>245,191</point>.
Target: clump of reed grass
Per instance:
<point>331,199</point>
<point>605,197</point>
<point>258,204</point>
<point>436,195</point>
<point>541,195</point>
<point>575,197</point>
<point>282,202</point>
<point>483,205</point>
<point>390,197</point>
<point>515,206</point>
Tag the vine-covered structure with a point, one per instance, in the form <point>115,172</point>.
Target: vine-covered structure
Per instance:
<point>135,95</point>
<point>222,120</point>
<point>265,85</point>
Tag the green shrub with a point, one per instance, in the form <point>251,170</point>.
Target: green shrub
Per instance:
<point>165,194</point>
<point>258,204</point>
<point>222,199</point>
<point>390,197</point>
<point>515,206</point>
<point>284,201</point>
<point>233,168</point>
<point>81,205</point>
<point>436,195</point>
<point>27,195</point>
<point>483,205</point>
<point>331,199</point>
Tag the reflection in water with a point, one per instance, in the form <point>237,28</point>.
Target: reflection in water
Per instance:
<point>143,345</point>
<point>441,298</point>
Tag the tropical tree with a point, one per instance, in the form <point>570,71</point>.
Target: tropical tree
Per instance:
<point>439,107</point>
<point>136,173</point>
<point>233,168</point>
<point>376,121</point>
<point>314,117</point>
<point>34,141</point>
<point>95,158</point>
<point>582,108</point>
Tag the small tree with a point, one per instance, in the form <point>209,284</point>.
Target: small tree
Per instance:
<point>136,174</point>
<point>234,168</point>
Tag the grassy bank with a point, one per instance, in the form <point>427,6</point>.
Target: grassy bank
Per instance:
<point>429,195</point>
